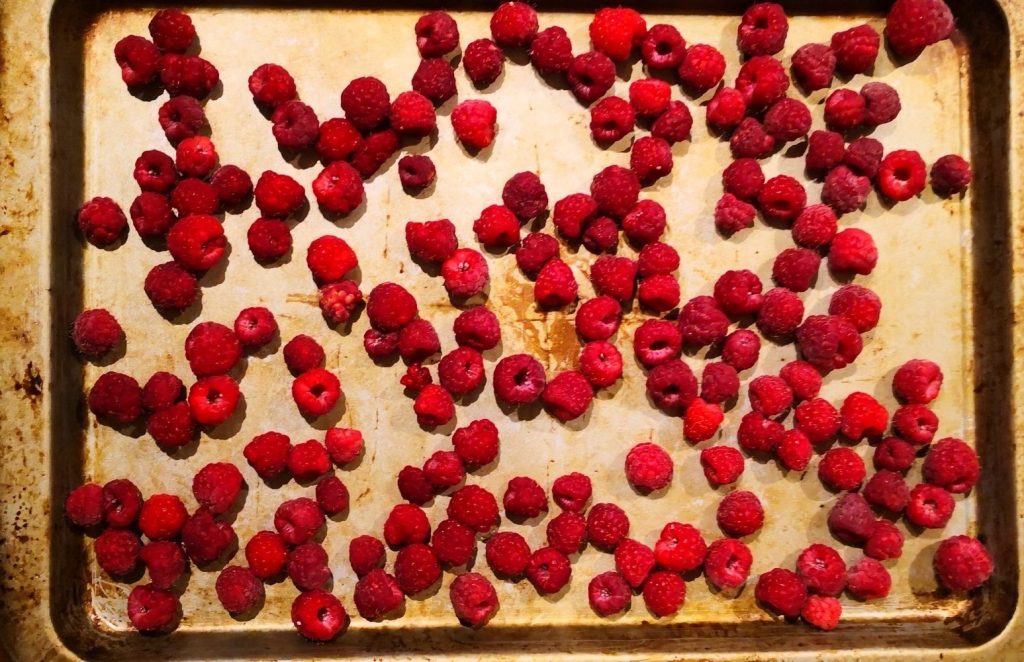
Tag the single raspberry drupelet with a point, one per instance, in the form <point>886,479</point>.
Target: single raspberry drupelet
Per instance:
<point>851,520</point>
<point>951,464</point>
<point>917,381</point>
<point>664,593</point>
<point>567,532</point>
<point>151,609</point>
<point>901,175</point>
<point>239,590</point>
<point>483,62</point>
<point>551,51</point>
<point>366,553</point>
<point>434,406</point>
<point>867,579</point>
<point>318,615</point>
<point>609,594</point>
<point>912,25</point>
<point>781,591</point>
<point>473,599</point>
<point>548,570</point>
<point>962,563</point>
<point>740,514</point>
<point>474,507</point>
<point>813,66</point>
<point>727,563</point>
<point>702,68</point>
<point>722,465</point>
<point>507,554</point>
<point>950,175</point>
<point>590,76</point>
<point>514,25</point>
<point>634,561</point>
<point>453,543</point>
<point>648,467</point>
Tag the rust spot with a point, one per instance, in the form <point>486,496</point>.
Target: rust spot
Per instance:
<point>30,383</point>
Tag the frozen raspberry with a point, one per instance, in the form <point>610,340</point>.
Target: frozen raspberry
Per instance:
<point>233,185</point>
<point>573,213</point>
<point>519,379</point>
<point>416,569</point>
<point>338,188</point>
<point>616,32</point>
<point>117,551</point>
<point>702,68</point>
<point>461,371</point>
<point>672,387</point>
<point>433,406</point>
<point>181,117</point>
<point>483,62</point>
<point>139,60</point>
<point>551,51</point>
<point>822,612</point>
<point>951,464</point>
<point>867,579</point>
<point>659,293</point>
<point>817,419</point>
<point>302,354</point>
<point>298,520</point>
<point>648,97</point>
<point>434,79</point>
<point>673,125</point>
<point>726,109</point>
<point>172,427</point>
<point>162,517</point>
<point>781,591</point>
<point>611,118</point>
<point>162,390</point>
<point>453,543</point>
<point>911,25</point>
<point>701,421</point>
<point>794,450</point>
<point>822,570</point>
<point>514,25</point>
<point>375,150</point>
<point>917,382</point>
<point>607,526</point>
<point>738,292</point>
<point>196,157</point>
<point>662,47</point>
<point>316,392</point>
<point>412,114</point>
<point>238,589</point>
<point>473,599</point>
<point>855,49</point>
<point>572,492</point>
<point>881,103</point>
<point>172,30</point>
<point>601,363</point>
<point>84,505</point>
<point>609,594</point>
<point>741,349</point>
<point>816,225</point>
<point>525,195</point>
<point>680,548</point>
<point>268,454</point>
<point>648,467</point>
<point>95,333</point>
<point>278,196</point>
<point>634,561</point>
<point>534,251</point>
<point>787,120</point>
<point>885,543</point>
<point>308,460</point>
<point>614,276</point>
<point>813,66</point>
<point>155,172</point>
<point>197,242</point>
<point>266,554</point>
<point>656,258</point>
<point>164,561</point>
<point>151,609</point>
<point>474,507</point>
<point>950,175</point>
<point>590,76</point>
<point>743,178</point>
<point>416,171</point>
<point>465,273</point>
<point>443,469</point>
<point>102,222</point>
<point>901,175</point>
<point>664,593</point>
<point>601,235</point>
<point>318,615</point>
<point>770,395</point>
<point>781,199</point>
<point>915,423</point>
<point>205,539</point>
<point>507,554</point>
<point>188,74</point>
<point>212,349</point>
<point>841,469</point>
<point>656,342</point>
<point>750,140</point>
<point>414,486</point>
<point>863,416</point>
<point>850,520</point>
<point>962,563</point>
<point>568,395</point>
<point>719,382</point>
<point>416,342</point>
<point>796,268</point>
<point>269,239</point>
<point>365,554</point>
<point>825,150</point>
<point>845,191</point>
<point>762,81</point>
<point>390,307</point>
<point>864,155</point>
<point>152,216</point>
<point>844,110</point>
<point>780,314</point>
<point>727,563</point>
<point>894,454</point>
<point>702,322</point>
<point>271,85</point>
<point>436,34</point>
<point>651,159</point>
<point>377,595</point>
<point>643,226</point>
<point>555,286</point>
<point>431,241</point>
<point>548,570</point>
<point>722,465</point>
<point>567,532</point>
<point>762,29</point>
<point>740,514</point>
<point>598,319</point>
<point>478,328</point>
<point>216,486</point>
<point>255,327</point>
<point>497,228</point>
<point>828,342</point>
<point>116,397</point>
<point>366,102</point>
<point>857,305</point>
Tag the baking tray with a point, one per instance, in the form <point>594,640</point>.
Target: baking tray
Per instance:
<point>950,277</point>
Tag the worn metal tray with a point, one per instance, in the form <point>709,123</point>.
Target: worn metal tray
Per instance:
<point>950,276</point>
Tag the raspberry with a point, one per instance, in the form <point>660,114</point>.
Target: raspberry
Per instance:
<point>465,273</point>
<point>518,379</point>
<point>607,526</point>
<point>781,199</point>
<point>853,250</point>
<point>155,172</point>
<point>894,454</point>
<point>702,68</point>
<point>266,554</point>
<point>461,371</point>
<point>609,594</point>
<point>781,591</point>
<point>611,118</point>
<point>719,382</point>
<point>377,594</point>
<point>651,159</point>
<point>416,342</point>
<point>497,228</point>
<point>822,612</point>
<point>616,32</point>
<point>962,563</point>
<point>597,319</point>
<point>863,156</point>
<point>188,75</point>
<point>205,539</point>
<point>568,395</point>
<point>740,514</point>
<point>680,548</point>
<point>743,178</point>
<point>656,258</point>
<point>431,241</point>
<point>882,103</point>
<point>634,561</point>
<point>365,554</point>
<point>614,276</point>
<point>453,543</point>
<point>478,328</point>
<point>644,225</point>
<point>278,196</point>
<point>507,554</point>
<point>269,239</point>
<point>813,66</point>
<point>816,225</point>
<point>212,400</point>
<point>601,363</point>
<point>172,30</point>
<point>770,395</point>
<point>255,327</point>
<point>164,562</point>
<point>917,382</point>
<point>787,119</point>
<point>116,397</point>
<point>601,235</point>
<point>825,150</point>
<point>664,593</point>
<point>212,349</point>
<point>567,532</point>
<point>268,454</point>
<point>762,81</point>
<point>951,464</point>
<point>534,251</point>
<point>648,467</point>
<point>867,579</point>
<point>443,469</point>
<point>298,520</point>
<point>850,520</point>
<point>551,51</point>
<point>473,598</point>
<point>343,444</point>
<point>915,423</point>
<point>318,615</point>
<point>525,195</point>
<point>572,492</point>
<point>139,60</point>
<point>841,469</point>
<point>656,342</point>
<point>796,268</point>
<point>194,196</point>
<point>828,342</point>
<point>794,450</point>
<point>659,293</point>
<point>416,569</point>
<point>762,29</point>
<point>855,49</point>
<point>433,406</point>
<point>513,25</point>
<point>885,543</point>
<point>412,114</point>
<point>750,140</point>
<point>316,392</point>
<point>822,570</point>
<point>366,102</point>
<point>437,34</point>
<point>702,322</point>
<point>390,307</point>
<point>239,590</point>
<point>308,461</point>
<point>780,314</point>
<point>483,62</point>
<point>573,213</point>
<point>152,216</point>
<point>817,419</point>
<point>722,465</point>
<point>590,76</point>
<point>473,507</point>
<point>84,505</point>
<point>844,110</point>
<point>95,333</point>
<point>857,305</point>
<point>162,517</point>
<point>548,570</point>
<point>172,427</point>
<point>271,85</point>
<point>648,97</point>
<point>122,503</point>
<point>181,117</point>
<point>672,387</point>
<point>117,551</point>
<point>416,171</point>
<point>741,349</point>
<point>701,421</point>
<point>151,609</point>
<point>555,286</point>
<point>216,486</point>
<point>950,175</point>
<point>197,242</point>
<point>673,125</point>
<point>414,486</point>
<point>911,25</point>
<point>727,563</point>
<point>302,354</point>
<point>196,157</point>
<point>863,416</point>
<point>901,175</point>
<point>726,109</point>
<point>662,47</point>
<point>376,149</point>
<point>102,222</point>
<point>338,188</point>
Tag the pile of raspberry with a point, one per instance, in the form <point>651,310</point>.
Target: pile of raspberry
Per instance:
<point>182,196</point>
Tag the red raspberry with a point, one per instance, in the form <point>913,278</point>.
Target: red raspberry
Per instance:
<point>825,150</point>
<point>271,85</point>
<point>233,185</point>
<point>813,66</point>
<point>664,593</point>
<point>318,615</point>
<point>863,416</point>
<point>412,114</point>
<point>702,68</point>
<point>609,594</point>
<point>648,467</point>
<point>377,595</point>
<point>702,322</point>
<point>794,450</point>
<point>850,520</point>
<point>474,507</point>
<point>172,30</point>
<point>597,319</point>
<point>443,469</point>
<point>302,354</point>
<point>614,276</point>
<point>416,569</point>
<point>366,102</point>
<point>781,199</point>
<point>858,305</point>
<point>741,349</point>
<point>780,314</point>
<point>568,395</point>
<point>453,543</point>
<point>674,124</point>
<point>365,554</point>
<point>740,514</point>
<point>738,292</point>
<point>770,395</point>
<point>518,379</point>
<point>164,562</point>
<point>433,406</point>
<point>743,178</point>
<point>269,239</point>
<point>497,228</point>
<point>722,465</point>
<point>567,532</point>
<point>656,342</point>
<point>122,503</point>
<point>815,227</point>
<point>867,579</point>
<point>298,520</point>
<point>172,427</point>
<point>911,25</point>
<point>894,454</point>
<point>719,382</point>
<point>84,505</point>
<point>828,342</point>
<point>615,189</point>
<point>205,539</point>
<point>844,110</point>
<point>162,517</point>
<point>950,175</point>
<point>930,506</point>
<point>551,51</point>
<point>882,103</point>
<point>478,328</point>
<point>662,47</point>
<point>376,149</point>
<point>915,423</point>
<point>853,250</point>
<point>796,268</point>
<point>197,242</point>
<point>817,419</point>
<point>672,387</point>
<point>278,196</point>
<point>607,526</point>
<point>701,421</point>
<point>316,392</point>
<point>611,118</point>
<point>116,397</point>
<point>762,29</point>
<point>102,222</point>
<point>390,307</point>
<point>152,216</point>
<point>917,382</point>
<point>555,286</point>
<point>951,464</point>
<point>196,157</point>
<point>525,195</point>
<point>239,590</point>
<point>634,561</point>
<point>216,486</point>
<point>657,258</point>
<point>644,225</point>
<point>155,172</point>
<point>95,333</point>
<point>845,191</point>
<point>841,469</point>
<point>406,524</point>
<point>962,563</point>
<point>416,342</point>
<point>338,189</point>
<point>651,159</point>
<point>534,251</point>
<point>822,570</point>
<point>465,273</point>
<point>266,554</point>
<point>431,241</point>
<point>822,612</point>
<point>414,486</point>
<point>601,363</point>
<point>885,543</point>
<point>901,175</point>
<point>787,120</point>
<point>855,49</point>
<point>601,235</point>
<point>513,25</point>
<point>483,62</point>
<point>864,155</point>
<point>781,591</point>
<point>416,171</point>
<point>507,554</point>
<point>139,60</point>
<point>268,454</point>
<point>255,327</point>
<point>648,97</point>
<point>188,74</point>
<point>437,34</point>
<point>461,371</point>
<point>153,610</point>
<point>308,461</point>
<point>473,122</point>
<point>212,349</point>
<point>548,570</point>
<point>617,31</point>
<point>181,117</point>
<point>727,563</point>
<point>573,213</point>
<point>726,109</point>
<point>473,598</point>
<point>680,548</point>
<point>572,492</point>
<point>750,140</point>
<point>117,551</point>
<point>762,81</point>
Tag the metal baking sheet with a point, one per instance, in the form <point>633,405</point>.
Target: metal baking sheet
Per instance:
<point>948,276</point>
